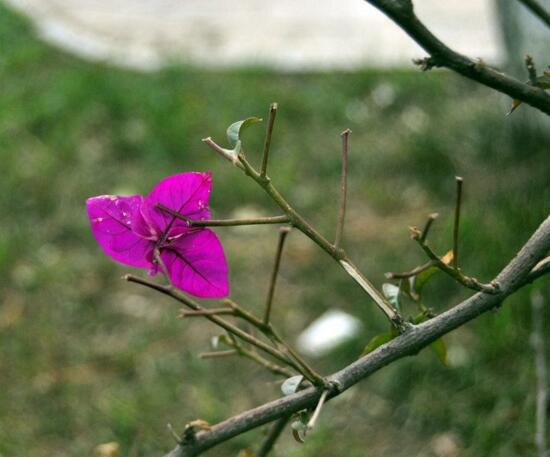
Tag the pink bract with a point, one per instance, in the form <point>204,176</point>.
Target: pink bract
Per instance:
<point>130,228</point>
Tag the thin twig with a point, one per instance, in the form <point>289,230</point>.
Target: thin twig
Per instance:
<point>206,312</point>
<point>225,153</point>
<point>224,222</point>
<point>540,269</point>
<point>160,263</point>
<point>537,339</point>
<point>252,355</point>
<point>456,224</point>
<point>267,144</point>
<point>218,354</point>
<point>511,278</point>
<point>467,281</point>
<point>537,10</point>
<point>243,313</point>
<point>338,254</point>
<point>283,232</point>
<point>411,273</point>
<point>305,367</point>
<point>273,335</point>
<point>172,292</point>
<point>343,188</point>
<point>274,433</point>
<point>431,218</point>
<point>403,14</point>
<point>318,408</point>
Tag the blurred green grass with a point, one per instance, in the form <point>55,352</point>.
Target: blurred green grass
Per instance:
<point>86,358</point>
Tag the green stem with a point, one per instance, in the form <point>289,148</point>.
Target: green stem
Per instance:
<point>272,334</point>
<point>283,232</point>
<point>252,355</point>
<point>343,188</point>
<point>269,132</point>
<point>170,291</point>
<point>467,281</point>
<point>456,224</point>
<point>336,253</point>
<point>224,222</point>
<point>311,373</point>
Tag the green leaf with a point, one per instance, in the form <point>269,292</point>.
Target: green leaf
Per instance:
<point>421,279</point>
<point>235,130</point>
<point>291,385</point>
<point>391,292</point>
<point>377,341</point>
<point>440,349</point>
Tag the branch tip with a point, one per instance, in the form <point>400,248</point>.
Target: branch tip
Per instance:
<point>456,224</point>
<point>343,189</point>
<point>267,143</point>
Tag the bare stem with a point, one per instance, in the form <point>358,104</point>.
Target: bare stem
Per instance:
<point>272,334</point>
<point>224,222</point>
<point>431,218</point>
<point>440,55</point>
<point>160,263</point>
<point>411,273</point>
<point>456,224</point>
<point>343,188</point>
<point>467,281</point>
<point>311,373</point>
<point>241,312</point>
<point>318,408</point>
<point>225,153</point>
<point>511,278</point>
<point>537,339</point>
<point>283,232</point>
<point>338,254</point>
<point>206,312</point>
<point>252,355</point>
<point>274,433</point>
<point>537,10</point>
<point>172,292</point>
<point>540,269</point>
<point>267,144</point>
<point>218,354</point>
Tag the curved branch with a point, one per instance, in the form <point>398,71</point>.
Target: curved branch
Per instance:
<point>402,13</point>
<point>515,275</point>
<point>537,10</point>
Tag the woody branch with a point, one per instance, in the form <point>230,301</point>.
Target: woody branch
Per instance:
<point>524,268</point>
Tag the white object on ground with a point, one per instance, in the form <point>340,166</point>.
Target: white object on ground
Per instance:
<point>328,332</point>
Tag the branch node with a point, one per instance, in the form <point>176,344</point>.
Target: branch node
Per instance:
<point>176,437</point>
<point>531,70</point>
<point>426,63</point>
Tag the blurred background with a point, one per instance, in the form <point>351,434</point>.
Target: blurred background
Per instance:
<point>107,98</point>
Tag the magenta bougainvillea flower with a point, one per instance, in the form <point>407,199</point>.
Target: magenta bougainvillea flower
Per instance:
<point>129,229</point>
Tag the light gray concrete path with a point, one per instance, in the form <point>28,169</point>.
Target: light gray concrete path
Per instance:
<point>286,34</point>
